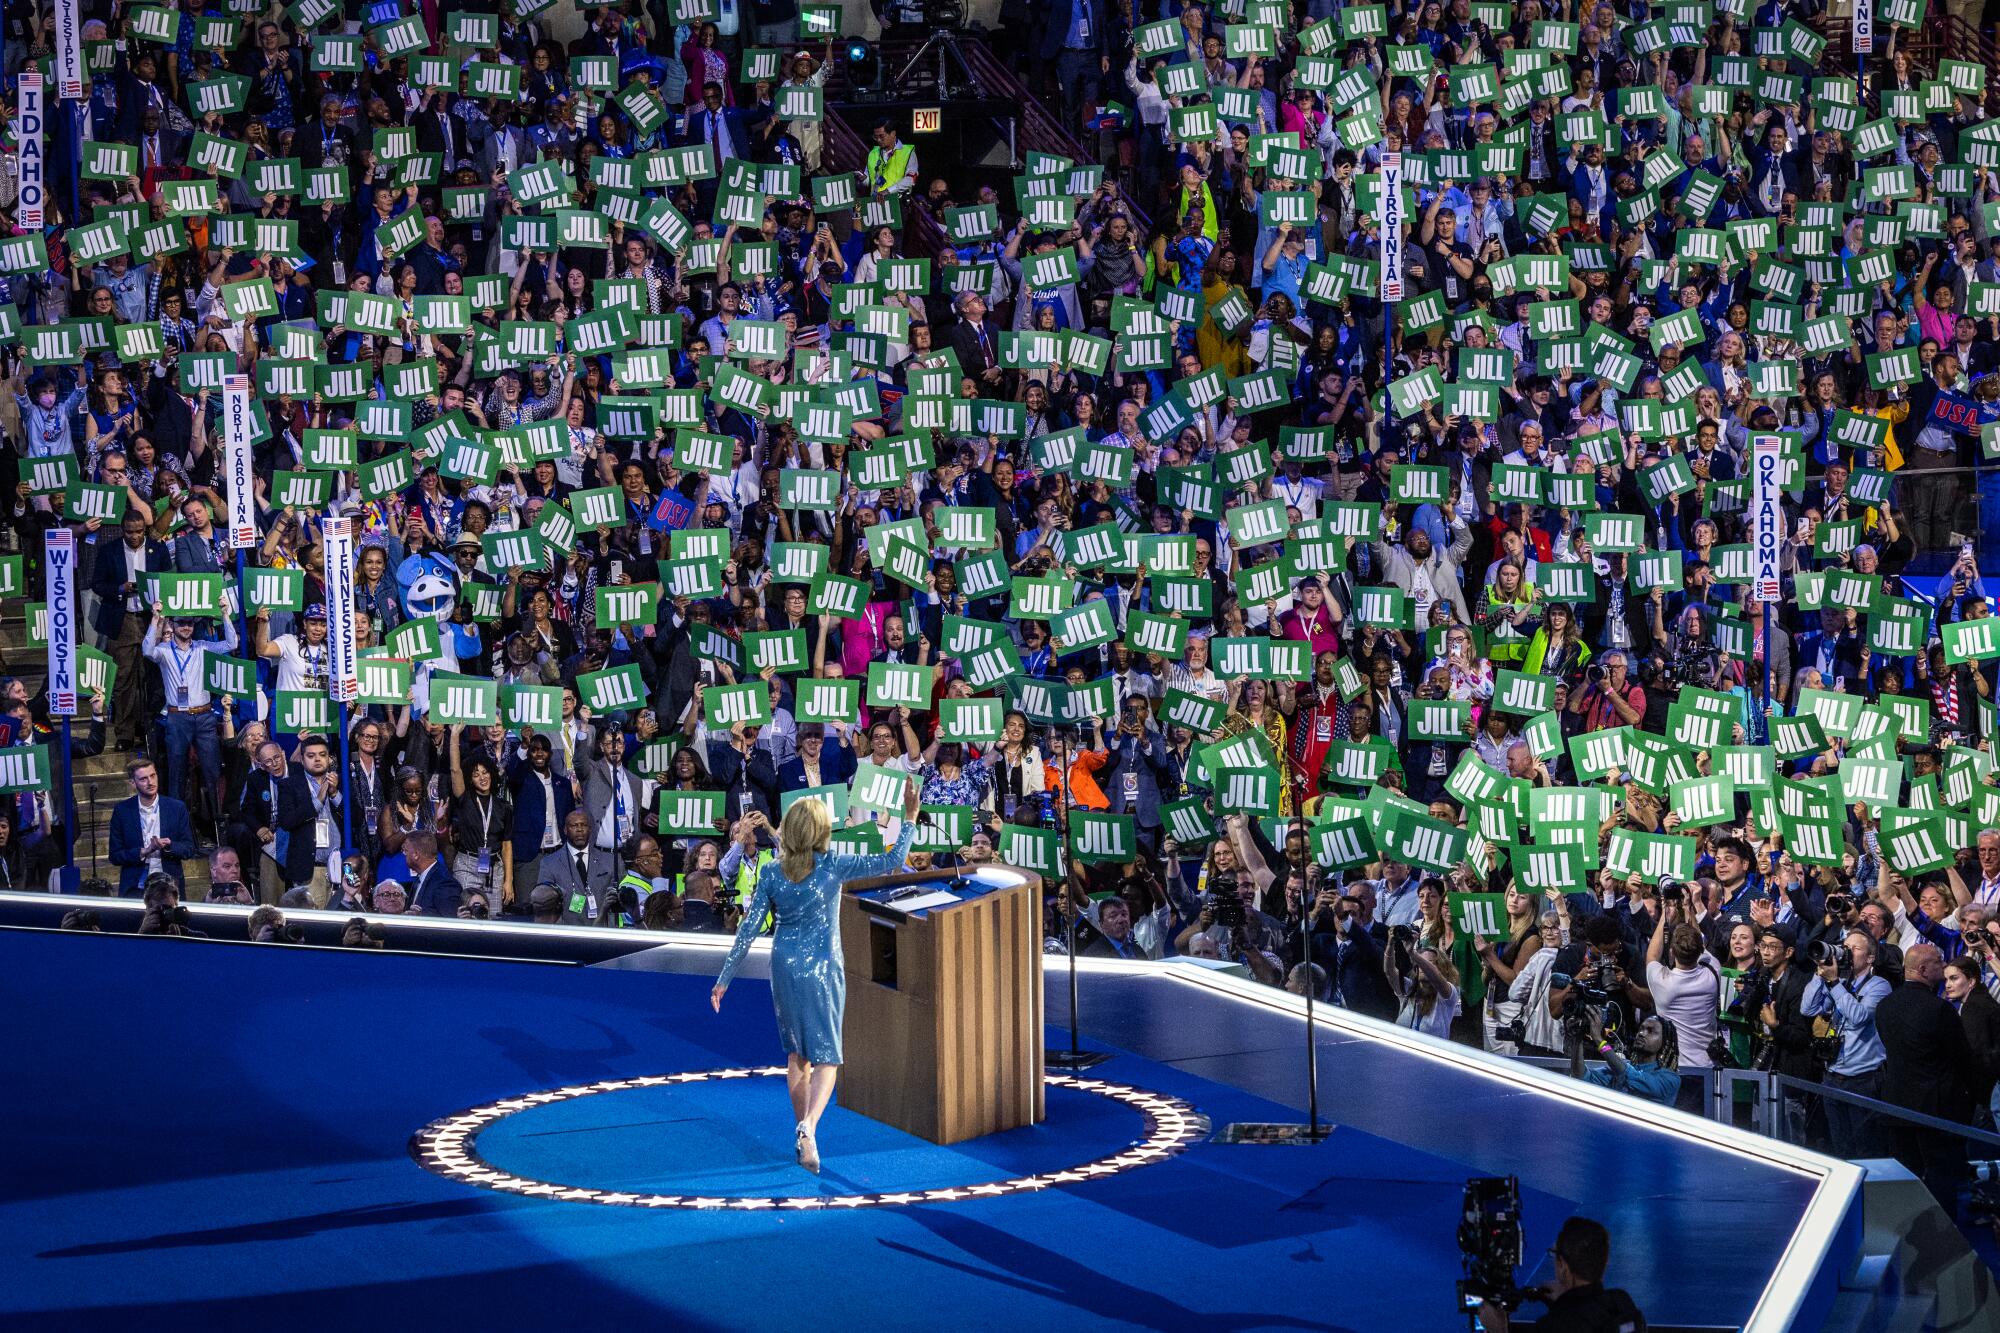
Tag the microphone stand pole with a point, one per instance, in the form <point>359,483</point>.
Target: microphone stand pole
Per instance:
<point>1075,1058</point>
<point>1292,1133</point>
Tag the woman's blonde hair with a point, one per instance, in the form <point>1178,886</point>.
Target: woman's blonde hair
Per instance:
<point>803,835</point>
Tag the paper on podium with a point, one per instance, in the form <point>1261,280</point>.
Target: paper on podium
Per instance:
<point>922,901</point>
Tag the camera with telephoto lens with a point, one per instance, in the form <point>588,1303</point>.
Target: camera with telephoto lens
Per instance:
<point>1594,673</point>
<point>1489,1243</point>
<point>1832,951</point>
<point>1225,901</point>
<point>1586,987</point>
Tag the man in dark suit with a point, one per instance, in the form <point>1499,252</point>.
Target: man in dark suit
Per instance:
<point>817,764</point>
<point>745,773</point>
<point>1133,774</point>
<point>162,153</point>
<point>1111,935</point>
<point>278,811</point>
<point>584,875</point>
<point>976,339</point>
<point>441,130</point>
<point>543,799</point>
<point>1926,1072</point>
<point>119,580</point>
<point>149,832</point>
<point>1836,651</point>
<point>433,892</point>
<point>724,128</point>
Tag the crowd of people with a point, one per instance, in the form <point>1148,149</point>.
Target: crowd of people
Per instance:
<point>1405,648</point>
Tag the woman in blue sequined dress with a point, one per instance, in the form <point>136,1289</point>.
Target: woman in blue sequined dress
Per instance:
<point>801,890</point>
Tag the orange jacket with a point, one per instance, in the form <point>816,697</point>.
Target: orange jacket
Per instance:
<point>1083,788</point>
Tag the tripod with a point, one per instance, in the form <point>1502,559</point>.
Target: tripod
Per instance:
<point>943,45</point>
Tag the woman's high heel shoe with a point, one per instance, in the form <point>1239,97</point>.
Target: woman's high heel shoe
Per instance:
<point>808,1150</point>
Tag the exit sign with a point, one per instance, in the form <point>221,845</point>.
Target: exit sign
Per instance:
<point>927,120</point>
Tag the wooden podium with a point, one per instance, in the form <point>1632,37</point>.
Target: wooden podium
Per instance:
<point>944,1009</point>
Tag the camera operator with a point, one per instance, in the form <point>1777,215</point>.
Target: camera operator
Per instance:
<point>1847,969</point>
<point>268,926</point>
<point>1688,993</point>
<point>1649,1067</point>
<point>1781,1000</point>
<point>164,913</point>
<point>1841,913</point>
<point>1578,1300</point>
<point>1602,962</point>
<point>1609,700</point>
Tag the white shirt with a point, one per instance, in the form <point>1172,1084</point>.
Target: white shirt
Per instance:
<point>1302,495</point>
<point>550,837</point>
<point>301,666</point>
<point>135,566</point>
<point>149,828</point>
<point>1691,998</point>
<point>607,827</point>
<point>1437,1022</point>
<point>1422,594</point>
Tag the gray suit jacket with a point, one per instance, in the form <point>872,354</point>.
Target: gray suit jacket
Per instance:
<point>559,871</point>
<point>1399,567</point>
<point>599,792</point>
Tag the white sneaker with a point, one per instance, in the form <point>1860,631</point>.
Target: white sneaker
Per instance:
<point>808,1150</point>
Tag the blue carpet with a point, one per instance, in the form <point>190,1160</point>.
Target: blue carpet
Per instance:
<point>217,1136</point>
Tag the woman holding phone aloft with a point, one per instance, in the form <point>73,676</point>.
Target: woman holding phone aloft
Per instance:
<point>801,889</point>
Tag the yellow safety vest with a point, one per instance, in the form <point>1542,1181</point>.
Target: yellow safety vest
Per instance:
<point>898,164</point>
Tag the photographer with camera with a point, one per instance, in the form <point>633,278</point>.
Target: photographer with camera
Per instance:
<point>1578,1300</point>
<point>267,925</point>
<point>1688,993</point>
<point>1424,982</point>
<point>164,913</point>
<point>1649,1067</point>
<point>1780,1002</point>
<point>1598,974</point>
<point>1609,699</point>
<point>1847,970</point>
<point>1228,917</point>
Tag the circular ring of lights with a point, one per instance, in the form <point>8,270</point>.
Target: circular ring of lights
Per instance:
<point>449,1147</point>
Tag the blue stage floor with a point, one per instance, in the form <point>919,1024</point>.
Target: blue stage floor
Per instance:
<point>211,1135</point>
